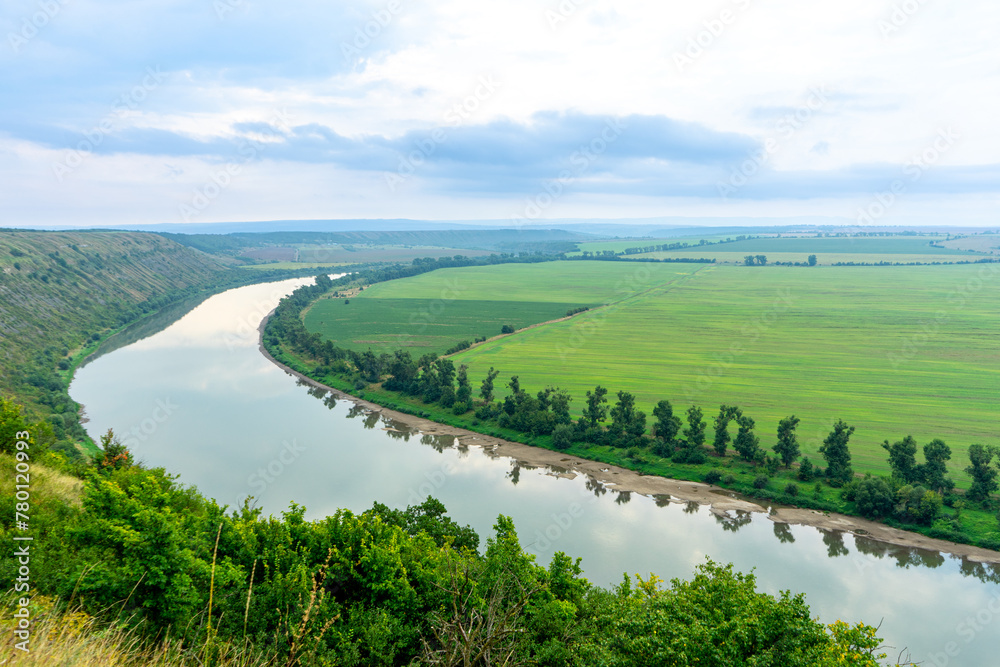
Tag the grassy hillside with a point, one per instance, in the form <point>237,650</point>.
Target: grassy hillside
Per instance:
<point>59,291</point>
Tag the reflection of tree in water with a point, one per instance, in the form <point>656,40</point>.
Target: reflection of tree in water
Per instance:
<point>434,441</point>
<point>904,556</point>
<point>372,420</point>
<point>397,435</point>
<point>330,401</point>
<point>986,572</point>
<point>662,499</point>
<point>784,533</point>
<point>463,449</point>
<point>595,486</point>
<point>355,411</point>
<point>733,524</point>
<point>514,475</point>
<point>692,507</point>
<point>317,392</point>
<point>623,497</point>
<point>834,541</point>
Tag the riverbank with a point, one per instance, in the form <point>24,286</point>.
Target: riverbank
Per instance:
<point>721,502</point>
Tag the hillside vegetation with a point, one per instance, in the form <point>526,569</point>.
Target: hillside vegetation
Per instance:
<point>60,292</point>
<point>148,571</point>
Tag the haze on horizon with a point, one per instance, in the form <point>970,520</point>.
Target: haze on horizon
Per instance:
<point>218,110</point>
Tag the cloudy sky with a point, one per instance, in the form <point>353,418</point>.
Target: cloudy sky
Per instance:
<point>160,111</point>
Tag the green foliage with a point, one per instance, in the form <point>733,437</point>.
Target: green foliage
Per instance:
<point>717,618</point>
<point>984,477</point>
<point>787,447</point>
<point>667,425</point>
<point>385,587</point>
<point>694,434</point>
<point>837,454</point>
<point>874,498</point>
<point>903,459</point>
<point>746,443</point>
<point>806,470</point>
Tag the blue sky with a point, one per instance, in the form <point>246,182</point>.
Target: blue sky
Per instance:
<point>160,111</point>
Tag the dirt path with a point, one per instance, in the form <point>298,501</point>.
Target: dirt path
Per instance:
<point>720,501</point>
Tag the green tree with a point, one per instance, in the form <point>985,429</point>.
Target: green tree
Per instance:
<point>935,468</point>
<point>787,447</point>
<point>596,410</point>
<point>812,260</point>
<point>11,423</point>
<point>464,392</point>
<point>694,434</point>
<point>984,477</point>
<point>667,424</point>
<point>486,390</point>
<point>749,260</point>
<point>837,454</point>
<point>903,459</point>
<point>806,470</point>
<point>116,455</point>
<point>562,436</point>
<point>722,438</point>
<point>746,443</point>
<point>627,423</point>
<point>761,259</point>
<point>874,498</point>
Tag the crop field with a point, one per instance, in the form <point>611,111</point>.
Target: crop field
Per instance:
<point>433,311</point>
<point>723,255</point>
<point>356,254</point>
<point>894,351</point>
<point>984,243</point>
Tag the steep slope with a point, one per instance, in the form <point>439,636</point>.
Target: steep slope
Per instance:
<point>60,290</point>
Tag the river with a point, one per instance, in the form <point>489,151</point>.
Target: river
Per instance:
<point>196,396</point>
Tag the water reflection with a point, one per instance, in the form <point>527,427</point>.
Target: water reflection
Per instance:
<point>784,533</point>
<point>733,523</point>
<point>594,485</point>
<point>834,541</point>
<point>661,499</point>
<point>623,497</point>
<point>691,507</point>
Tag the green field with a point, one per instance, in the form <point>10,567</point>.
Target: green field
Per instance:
<point>818,343</point>
<point>893,350</point>
<point>357,254</point>
<point>722,255</point>
<point>433,311</point>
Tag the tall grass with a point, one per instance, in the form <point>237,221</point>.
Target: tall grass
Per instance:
<point>67,638</point>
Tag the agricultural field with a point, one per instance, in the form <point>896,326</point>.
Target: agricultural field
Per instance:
<point>722,255</point>
<point>433,311</point>
<point>892,350</point>
<point>985,243</point>
<point>358,254</point>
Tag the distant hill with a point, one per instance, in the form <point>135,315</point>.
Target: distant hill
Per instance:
<point>59,290</point>
<point>498,240</point>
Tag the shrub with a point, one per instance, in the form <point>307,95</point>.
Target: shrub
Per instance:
<point>507,329</point>
<point>562,436</point>
<point>696,456</point>
<point>729,479</point>
<point>792,489</point>
<point>806,470</point>
<point>712,477</point>
<point>360,384</point>
<point>760,481</point>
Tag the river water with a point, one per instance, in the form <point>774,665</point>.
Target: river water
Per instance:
<point>192,393</point>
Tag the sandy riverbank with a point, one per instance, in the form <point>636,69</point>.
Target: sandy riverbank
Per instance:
<point>721,501</point>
